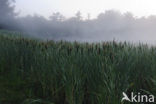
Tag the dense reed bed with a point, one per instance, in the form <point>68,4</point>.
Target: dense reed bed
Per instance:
<point>37,72</point>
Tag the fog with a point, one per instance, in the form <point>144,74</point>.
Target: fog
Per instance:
<point>108,25</point>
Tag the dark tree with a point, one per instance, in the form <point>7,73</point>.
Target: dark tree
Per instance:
<point>6,14</point>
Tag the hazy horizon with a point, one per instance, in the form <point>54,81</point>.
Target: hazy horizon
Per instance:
<point>108,25</point>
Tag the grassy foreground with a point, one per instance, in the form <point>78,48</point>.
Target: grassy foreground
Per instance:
<point>35,72</point>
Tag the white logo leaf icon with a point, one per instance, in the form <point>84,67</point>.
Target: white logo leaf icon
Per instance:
<point>125,97</point>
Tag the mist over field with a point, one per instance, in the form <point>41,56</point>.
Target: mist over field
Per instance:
<point>101,60</point>
<point>108,25</point>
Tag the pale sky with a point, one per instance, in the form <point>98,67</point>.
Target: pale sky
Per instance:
<point>94,7</point>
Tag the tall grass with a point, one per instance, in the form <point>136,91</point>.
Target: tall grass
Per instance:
<point>37,72</point>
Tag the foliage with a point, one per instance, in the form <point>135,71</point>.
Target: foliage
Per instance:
<point>37,72</point>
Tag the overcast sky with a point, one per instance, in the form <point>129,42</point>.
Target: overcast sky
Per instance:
<point>94,7</point>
